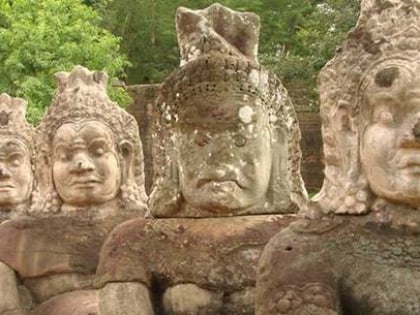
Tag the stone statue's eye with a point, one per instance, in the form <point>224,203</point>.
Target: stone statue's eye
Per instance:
<point>97,148</point>
<point>15,160</point>
<point>99,151</point>
<point>239,140</point>
<point>201,139</point>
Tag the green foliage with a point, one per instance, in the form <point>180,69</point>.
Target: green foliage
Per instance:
<point>41,37</point>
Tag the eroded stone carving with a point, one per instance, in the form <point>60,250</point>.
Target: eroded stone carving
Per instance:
<point>90,179</point>
<point>230,134</point>
<point>226,144</point>
<point>16,153</point>
<point>366,264</point>
<point>368,95</point>
<point>90,154</point>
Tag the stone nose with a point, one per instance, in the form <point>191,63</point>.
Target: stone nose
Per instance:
<point>4,173</point>
<point>82,163</point>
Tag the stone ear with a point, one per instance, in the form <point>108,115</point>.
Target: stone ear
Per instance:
<point>341,117</point>
<point>127,160</point>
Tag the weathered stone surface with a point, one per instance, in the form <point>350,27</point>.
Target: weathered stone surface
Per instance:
<point>144,109</point>
<point>369,93</point>
<point>217,29</point>
<point>73,303</point>
<point>227,137</point>
<point>53,256</point>
<point>345,265</point>
<point>16,154</point>
<point>89,154</point>
<point>218,255</point>
<point>370,108</point>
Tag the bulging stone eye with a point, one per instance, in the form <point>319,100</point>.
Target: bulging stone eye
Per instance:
<point>239,140</point>
<point>99,151</point>
<point>15,160</point>
<point>201,139</point>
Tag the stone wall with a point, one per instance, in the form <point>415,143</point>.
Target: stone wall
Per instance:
<point>311,144</point>
<point>144,96</point>
<point>310,124</point>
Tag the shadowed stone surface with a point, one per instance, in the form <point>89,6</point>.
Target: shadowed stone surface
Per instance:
<point>219,255</point>
<point>144,109</point>
<point>54,255</point>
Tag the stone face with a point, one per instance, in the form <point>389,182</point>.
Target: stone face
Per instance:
<point>227,134</point>
<point>369,113</point>
<point>225,145</point>
<point>16,153</point>
<point>214,257</point>
<point>366,264</point>
<point>89,156</point>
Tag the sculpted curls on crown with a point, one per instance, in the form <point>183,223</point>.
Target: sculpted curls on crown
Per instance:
<point>90,153</point>
<point>16,153</point>
<point>231,122</point>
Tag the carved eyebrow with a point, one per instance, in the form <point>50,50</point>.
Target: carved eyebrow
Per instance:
<point>11,145</point>
<point>382,96</point>
<point>101,139</point>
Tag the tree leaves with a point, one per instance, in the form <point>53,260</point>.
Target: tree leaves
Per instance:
<point>41,37</point>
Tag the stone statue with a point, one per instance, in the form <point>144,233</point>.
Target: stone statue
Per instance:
<point>90,154</point>
<point>89,171</point>
<point>226,145</point>
<point>16,152</point>
<point>230,144</point>
<point>370,106</point>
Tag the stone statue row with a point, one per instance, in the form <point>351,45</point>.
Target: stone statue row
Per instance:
<point>226,164</point>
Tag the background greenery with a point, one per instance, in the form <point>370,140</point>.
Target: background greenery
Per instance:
<point>135,41</point>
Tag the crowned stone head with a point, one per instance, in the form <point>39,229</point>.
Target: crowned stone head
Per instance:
<point>90,155</point>
<point>227,135</point>
<point>370,108</point>
<point>16,152</point>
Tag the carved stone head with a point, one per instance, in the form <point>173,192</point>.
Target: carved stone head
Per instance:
<point>228,135</point>
<point>16,151</point>
<point>370,106</point>
<point>90,153</point>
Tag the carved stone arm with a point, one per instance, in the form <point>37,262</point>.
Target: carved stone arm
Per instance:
<point>127,298</point>
<point>9,294</point>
